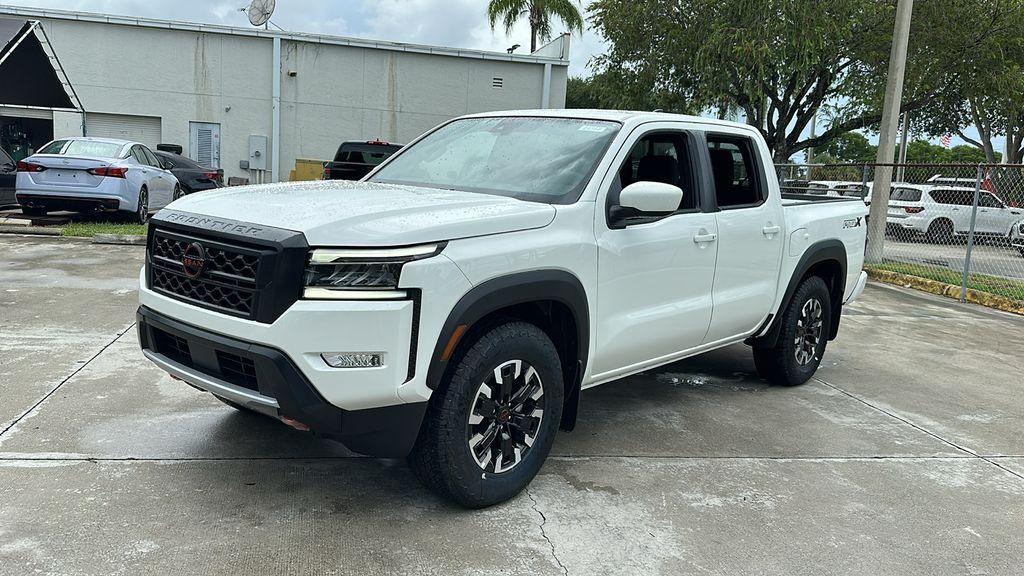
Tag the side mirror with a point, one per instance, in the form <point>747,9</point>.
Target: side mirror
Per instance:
<point>166,165</point>
<point>643,202</point>
<point>651,197</point>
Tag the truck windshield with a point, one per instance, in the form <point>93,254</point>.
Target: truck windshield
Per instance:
<point>539,159</point>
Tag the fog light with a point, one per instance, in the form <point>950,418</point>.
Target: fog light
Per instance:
<point>353,359</point>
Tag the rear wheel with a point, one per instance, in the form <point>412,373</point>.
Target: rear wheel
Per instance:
<point>940,231</point>
<point>805,326</point>
<point>491,424</point>
<point>141,215</point>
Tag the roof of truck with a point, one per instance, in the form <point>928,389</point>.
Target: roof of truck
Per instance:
<point>623,116</point>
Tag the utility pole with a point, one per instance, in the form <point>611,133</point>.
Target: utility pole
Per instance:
<point>903,146</point>
<point>814,126</point>
<point>887,134</point>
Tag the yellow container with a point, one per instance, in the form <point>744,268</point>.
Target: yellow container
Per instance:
<point>307,169</point>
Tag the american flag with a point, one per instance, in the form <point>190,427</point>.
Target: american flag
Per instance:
<point>945,140</point>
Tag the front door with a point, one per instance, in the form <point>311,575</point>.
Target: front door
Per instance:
<point>750,236</point>
<point>654,277</point>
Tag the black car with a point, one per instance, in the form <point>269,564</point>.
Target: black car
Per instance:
<point>355,159</point>
<point>8,174</point>
<point>191,176</point>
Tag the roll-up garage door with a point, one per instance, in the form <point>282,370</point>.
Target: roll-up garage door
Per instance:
<point>14,112</point>
<point>144,129</point>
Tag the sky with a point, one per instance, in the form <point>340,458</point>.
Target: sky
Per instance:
<point>455,23</point>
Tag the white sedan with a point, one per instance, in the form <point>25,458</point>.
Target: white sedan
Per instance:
<point>103,174</point>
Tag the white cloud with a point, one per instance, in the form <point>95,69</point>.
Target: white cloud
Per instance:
<point>455,23</point>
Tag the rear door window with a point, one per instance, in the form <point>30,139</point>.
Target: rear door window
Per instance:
<point>953,197</point>
<point>734,167</point>
<point>150,157</point>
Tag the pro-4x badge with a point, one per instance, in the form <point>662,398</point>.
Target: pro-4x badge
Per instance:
<point>852,223</point>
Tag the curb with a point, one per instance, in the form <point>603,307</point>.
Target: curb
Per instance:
<point>123,239</point>
<point>30,230</point>
<point>948,290</point>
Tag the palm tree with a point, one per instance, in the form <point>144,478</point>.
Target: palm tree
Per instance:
<point>539,13</point>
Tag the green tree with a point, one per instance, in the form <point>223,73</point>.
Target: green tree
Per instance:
<point>614,91</point>
<point>987,90</point>
<point>850,147</point>
<point>781,62</point>
<point>538,12</point>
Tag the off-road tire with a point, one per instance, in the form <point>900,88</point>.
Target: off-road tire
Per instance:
<point>442,458</point>
<point>778,364</point>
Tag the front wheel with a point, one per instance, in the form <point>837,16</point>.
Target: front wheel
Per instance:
<point>491,424</point>
<point>178,193</point>
<point>806,322</point>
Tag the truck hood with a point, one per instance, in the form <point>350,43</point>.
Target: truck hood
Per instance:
<point>340,213</point>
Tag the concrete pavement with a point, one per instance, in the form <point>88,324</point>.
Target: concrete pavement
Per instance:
<point>905,455</point>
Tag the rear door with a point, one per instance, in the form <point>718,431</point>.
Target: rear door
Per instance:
<point>162,190</point>
<point>654,277</point>
<point>750,234</point>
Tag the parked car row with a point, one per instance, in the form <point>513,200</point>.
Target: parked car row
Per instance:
<point>938,210</point>
<point>100,174</point>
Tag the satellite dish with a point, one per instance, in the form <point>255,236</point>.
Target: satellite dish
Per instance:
<point>259,11</point>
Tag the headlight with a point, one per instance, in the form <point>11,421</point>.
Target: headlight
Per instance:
<point>360,273</point>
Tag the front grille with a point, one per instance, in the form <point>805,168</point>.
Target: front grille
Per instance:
<point>228,282</point>
<point>224,298</point>
<point>237,370</point>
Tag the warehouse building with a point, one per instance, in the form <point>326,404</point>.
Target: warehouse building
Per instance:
<point>249,100</point>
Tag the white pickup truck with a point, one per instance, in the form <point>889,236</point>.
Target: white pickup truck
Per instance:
<point>450,307</point>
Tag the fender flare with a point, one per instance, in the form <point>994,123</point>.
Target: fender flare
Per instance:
<point>822,251</point>
<point>520,288</point>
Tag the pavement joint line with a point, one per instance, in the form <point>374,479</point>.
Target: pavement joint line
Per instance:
<point>922,429</point>
<point>64,381</point>
<point>544,533</point>
<point>560,458</point>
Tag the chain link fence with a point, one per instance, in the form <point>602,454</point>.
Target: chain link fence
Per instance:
<point>959,224</point>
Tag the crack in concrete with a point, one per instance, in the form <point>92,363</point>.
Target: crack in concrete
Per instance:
<point>544,533</point>
<point>74,372</point>
<point>920,428</point>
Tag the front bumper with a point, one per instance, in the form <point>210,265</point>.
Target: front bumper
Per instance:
<point>266,380</point>
<point>862,281</point>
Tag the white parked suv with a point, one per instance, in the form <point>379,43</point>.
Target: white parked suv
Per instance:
<point>942,212</point>
<point>451,306</point>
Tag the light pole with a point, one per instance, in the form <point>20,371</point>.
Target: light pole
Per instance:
<point>887,134</point>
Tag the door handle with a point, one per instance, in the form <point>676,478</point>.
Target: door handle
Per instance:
<point>769,230</point>
<point>704,238</point>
